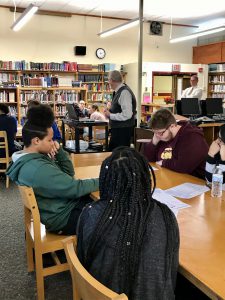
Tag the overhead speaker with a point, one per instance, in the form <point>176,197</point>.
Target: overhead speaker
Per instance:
<point>156,28</point>
<point>80,50</point>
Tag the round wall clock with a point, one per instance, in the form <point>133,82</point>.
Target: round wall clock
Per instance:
<point>156,28</point>
<point>100,53</point>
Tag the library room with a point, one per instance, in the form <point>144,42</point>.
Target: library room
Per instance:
<point>112,150</point>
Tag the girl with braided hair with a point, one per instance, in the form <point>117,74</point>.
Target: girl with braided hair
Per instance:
<point>127,240</point>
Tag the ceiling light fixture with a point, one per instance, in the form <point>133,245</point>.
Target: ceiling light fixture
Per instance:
<point>119,28</point>
<point>197,34</point>
<point>25,17</point>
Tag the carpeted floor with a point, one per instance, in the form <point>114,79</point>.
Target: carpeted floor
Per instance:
<point>15,282</point>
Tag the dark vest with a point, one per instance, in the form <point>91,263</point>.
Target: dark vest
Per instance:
<point>116,108</point>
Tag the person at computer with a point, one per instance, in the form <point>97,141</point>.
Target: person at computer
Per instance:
<point>180,146</point>
<point>194,91</point>
<point>216,155</point>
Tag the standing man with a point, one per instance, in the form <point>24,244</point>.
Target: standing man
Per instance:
<point>122,112</point>
<point>194,91</point>
<point>180,147</point>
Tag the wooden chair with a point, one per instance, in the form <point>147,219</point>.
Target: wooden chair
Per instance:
<point>85,286</point>
<point>88,159</point>
<point>6,159</point>
<point>41,241</point>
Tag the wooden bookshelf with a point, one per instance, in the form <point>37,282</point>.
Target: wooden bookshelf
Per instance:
<point>216,83</point>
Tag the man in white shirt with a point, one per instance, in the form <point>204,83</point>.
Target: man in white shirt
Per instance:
<point>194,91</point>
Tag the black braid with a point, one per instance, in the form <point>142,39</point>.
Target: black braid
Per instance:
<point>126,184</point>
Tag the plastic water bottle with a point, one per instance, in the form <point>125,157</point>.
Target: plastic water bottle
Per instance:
<point>217,182</point>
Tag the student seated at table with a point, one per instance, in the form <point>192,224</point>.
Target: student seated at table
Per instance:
<point>127,240</point>
<point>8,124</point>
<point>180,146</point>
<point>216,155</point>
<point>46,167</point>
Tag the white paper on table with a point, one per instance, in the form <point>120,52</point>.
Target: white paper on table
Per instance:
<point>174,204</point>
<point>187,190</point>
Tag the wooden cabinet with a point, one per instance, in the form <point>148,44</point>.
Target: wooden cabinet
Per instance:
<point>208,54</point>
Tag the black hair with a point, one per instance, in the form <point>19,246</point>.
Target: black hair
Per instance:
<point>32,103</point>
<point>222,133</point>
<point>4,108</point>
<point>127,183</point>
<point>95,107</point>
<point>39,119</point>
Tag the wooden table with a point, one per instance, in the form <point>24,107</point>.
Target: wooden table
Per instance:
<point>202,230</point>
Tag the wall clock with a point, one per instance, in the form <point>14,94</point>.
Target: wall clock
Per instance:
<point>100,53</point>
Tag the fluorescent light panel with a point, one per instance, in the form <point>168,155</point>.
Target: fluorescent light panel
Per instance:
<point>25,17</point>
<point>119,28</point>
<point>197,34</point>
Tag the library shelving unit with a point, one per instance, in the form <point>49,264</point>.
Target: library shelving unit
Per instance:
<point>52,83</point>
<point>216,84</point>
<point>148,108</point>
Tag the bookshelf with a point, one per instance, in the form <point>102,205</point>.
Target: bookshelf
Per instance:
<point>216,83</point>
<point>53,83</point>
<point>148,108</point>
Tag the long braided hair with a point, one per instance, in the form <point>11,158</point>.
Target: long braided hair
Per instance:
<point>126,184</point>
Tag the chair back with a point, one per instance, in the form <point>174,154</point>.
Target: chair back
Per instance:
<point>85,286</point>
<point>31,212</point>
<point>88,159</point>
<point>5,159</point>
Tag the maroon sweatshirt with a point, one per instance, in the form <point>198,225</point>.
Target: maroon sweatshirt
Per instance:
<point>186,153</point>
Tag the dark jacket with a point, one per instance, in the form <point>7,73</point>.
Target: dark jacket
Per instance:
<point>186,153</point>
<point>8,124</point>
<point>157,269</point>
<point>56,190</point>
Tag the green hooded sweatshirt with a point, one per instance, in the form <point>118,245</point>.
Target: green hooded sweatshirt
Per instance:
<point>57,191</point>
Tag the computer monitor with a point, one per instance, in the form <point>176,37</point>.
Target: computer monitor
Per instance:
<point>73,111</point>
<point>214,106</point>
<point>190,107</point>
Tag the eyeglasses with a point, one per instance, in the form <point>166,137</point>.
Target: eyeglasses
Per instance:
<point>160,133</point>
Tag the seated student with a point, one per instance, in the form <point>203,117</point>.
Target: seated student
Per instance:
<point>216,155</point>
<point>180,147</point>
<point>96,115</point>
<point>56,132</point>
<point>8,124</point>
<point>46,167</point>
<point>127,240</point>
<point>83,109</point>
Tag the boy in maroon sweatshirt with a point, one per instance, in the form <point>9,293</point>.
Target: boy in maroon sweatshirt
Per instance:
<point>180,147</point>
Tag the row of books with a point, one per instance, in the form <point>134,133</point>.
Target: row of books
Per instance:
<point>96,87</point>
<point>217,79</point>
<point>5,77</point>
<point>220,95</point>
<point>60,111</point>
<point>67,97</point>
<point>47,81</point>
<point>218,88</point>
<point>13,110</point>
<point>7,96</point>
<point>55,66</point>
<point>100,97</point>
<point>217,68</point>
<point>89,78</point>
<point>41,96</point>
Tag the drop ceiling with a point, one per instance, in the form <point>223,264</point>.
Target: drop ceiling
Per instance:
<point>189,12</point>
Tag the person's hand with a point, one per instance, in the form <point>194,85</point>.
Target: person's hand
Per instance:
<point>222,151</point>
<point>155,140</point>
<point>54,151</point>
<point>159,162</point>
<point>214,148</point>
<point>107,113</point>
